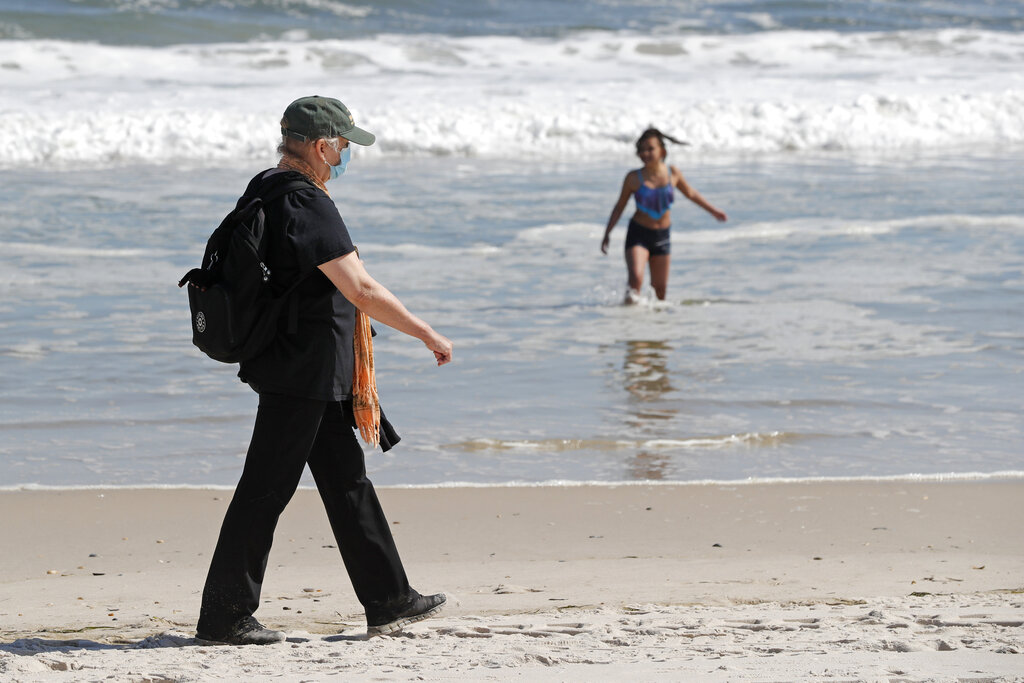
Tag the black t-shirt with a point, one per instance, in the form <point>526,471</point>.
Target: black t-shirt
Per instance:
<point>305,230</point>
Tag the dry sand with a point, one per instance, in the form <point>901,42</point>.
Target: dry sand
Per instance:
<point>863,580</point>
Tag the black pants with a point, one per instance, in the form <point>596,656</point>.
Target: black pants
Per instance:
<point>290,433</point>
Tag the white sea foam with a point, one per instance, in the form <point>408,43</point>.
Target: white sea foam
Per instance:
<point>824,228</point>
<point>59,251</point>
<point>910,477</point>
<point>562,445</point>
<point>423,250</point>
<point>793,229</point>
<point>508,96</point>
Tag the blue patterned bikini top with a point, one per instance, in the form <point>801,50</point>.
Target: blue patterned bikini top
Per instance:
<point>654,201</point>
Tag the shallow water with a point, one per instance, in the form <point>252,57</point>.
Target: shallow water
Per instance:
<point>855,317</point>
<point>859,314</point>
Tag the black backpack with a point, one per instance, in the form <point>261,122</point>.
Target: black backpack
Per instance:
<point>234,312</point>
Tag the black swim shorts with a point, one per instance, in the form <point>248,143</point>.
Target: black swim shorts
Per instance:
<point>655,241</point>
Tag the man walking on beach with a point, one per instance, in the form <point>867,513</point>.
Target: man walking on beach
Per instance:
<point>304,380</point>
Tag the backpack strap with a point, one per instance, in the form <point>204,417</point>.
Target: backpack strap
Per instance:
<point>293,304</point>
<point>280,189</point>
<point>293,312</point>
<point>270,190</point>
<point>272,186</point>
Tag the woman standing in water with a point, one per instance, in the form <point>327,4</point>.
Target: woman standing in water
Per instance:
<point>647,239</point>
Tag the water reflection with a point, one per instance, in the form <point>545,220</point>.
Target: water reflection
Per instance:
<point>648,466</point>
<point>646,370</point>
<point>647,380</point>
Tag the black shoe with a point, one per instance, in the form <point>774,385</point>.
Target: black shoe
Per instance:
<point>392,618</point>
<point>246,632</point>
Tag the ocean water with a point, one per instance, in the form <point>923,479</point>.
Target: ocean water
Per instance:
<point>859,315</point>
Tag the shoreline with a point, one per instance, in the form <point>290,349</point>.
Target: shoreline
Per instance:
<point>910,477</point>
<point>97,577</point>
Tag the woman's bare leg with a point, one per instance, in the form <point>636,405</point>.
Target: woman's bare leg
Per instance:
<point>636,263</point>
<point>659,274</point>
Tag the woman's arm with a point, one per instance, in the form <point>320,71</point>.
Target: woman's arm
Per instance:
<point>372,298</point>
<point>620,206</point>
<point>690,193</point>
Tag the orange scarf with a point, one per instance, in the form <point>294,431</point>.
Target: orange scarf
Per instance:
<point>365,403</point>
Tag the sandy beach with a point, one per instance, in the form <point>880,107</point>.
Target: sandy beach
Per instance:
<point>803,463</point>
<point>863,580</point>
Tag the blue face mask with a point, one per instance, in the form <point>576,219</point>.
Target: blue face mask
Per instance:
<point>336,171</point>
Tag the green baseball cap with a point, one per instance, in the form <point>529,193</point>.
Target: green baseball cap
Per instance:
<point>315,117</point>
